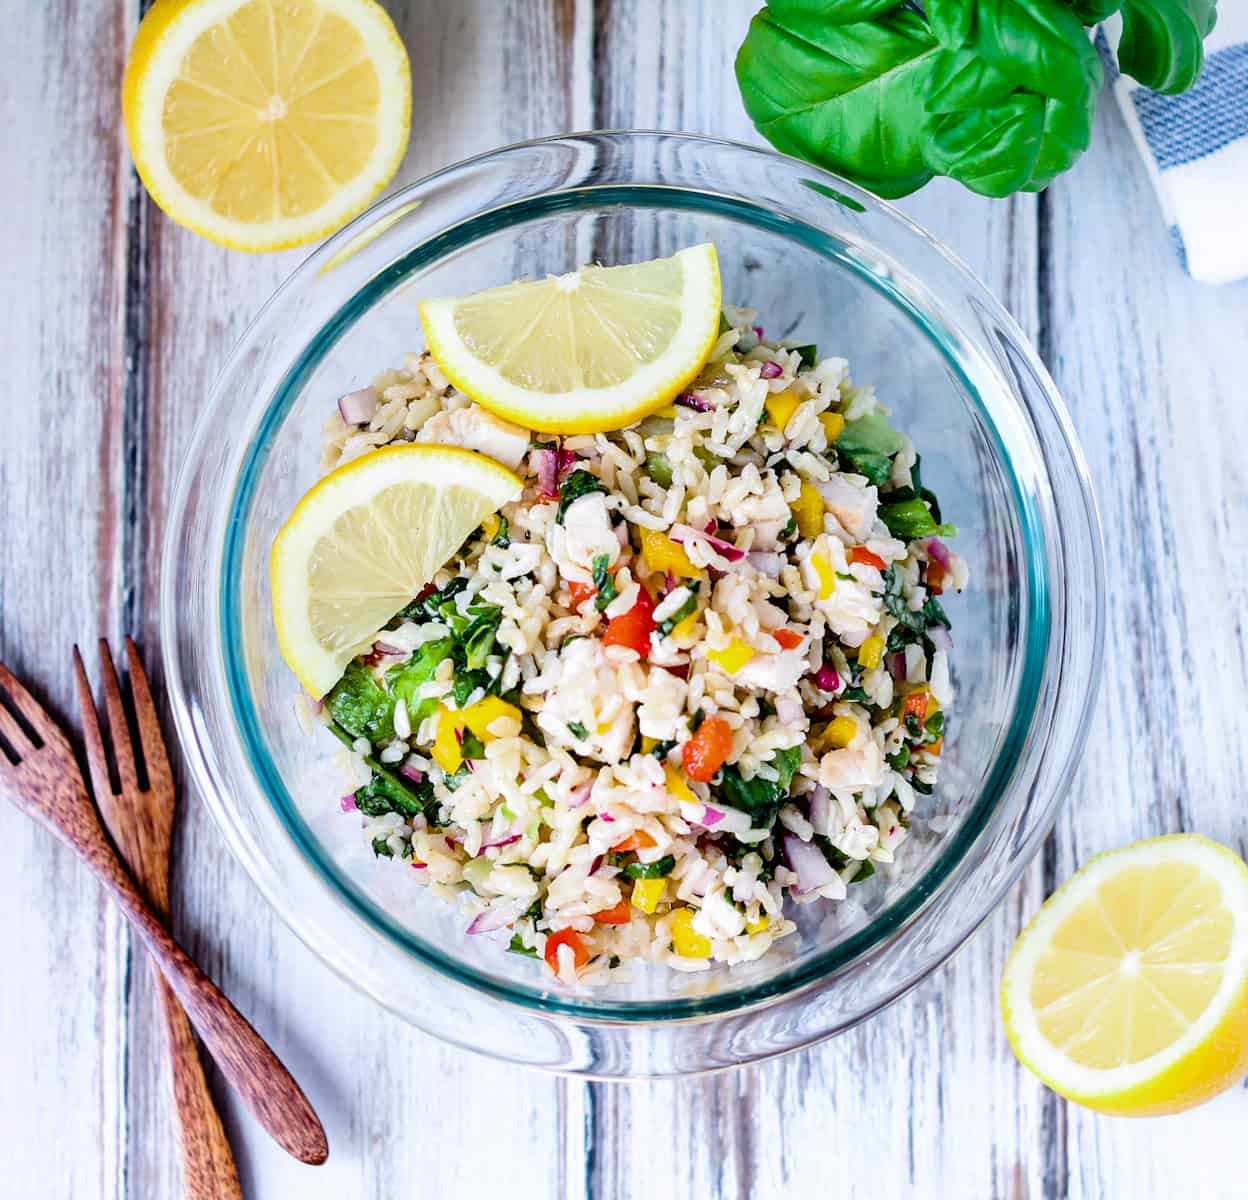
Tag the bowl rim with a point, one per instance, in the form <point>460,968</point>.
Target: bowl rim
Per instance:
<point>798,978</point>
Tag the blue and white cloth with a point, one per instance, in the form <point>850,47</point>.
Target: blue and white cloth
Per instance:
<point>1196,149</point>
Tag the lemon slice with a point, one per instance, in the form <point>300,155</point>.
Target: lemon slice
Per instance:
<point>266,123</point>
<point>365,540</point>
<point>1128,992</point>
<point>585,352</point>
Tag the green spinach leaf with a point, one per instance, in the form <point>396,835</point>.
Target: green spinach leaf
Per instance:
<point>867,445</point>
<point>761,798</point>
<point>909,519</point>
<point>360,704</point>
<point>405,680</point>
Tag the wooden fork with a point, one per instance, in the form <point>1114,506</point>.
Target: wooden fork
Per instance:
<point>140,823</point>
<point>41,777</point>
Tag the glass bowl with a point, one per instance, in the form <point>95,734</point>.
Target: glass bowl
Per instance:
<point>822,261</point>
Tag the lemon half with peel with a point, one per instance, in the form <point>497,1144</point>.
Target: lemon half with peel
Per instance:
<point>365,540</point>
<point>1128,992</point>
<point>262,124</point>
<point>585,352</point>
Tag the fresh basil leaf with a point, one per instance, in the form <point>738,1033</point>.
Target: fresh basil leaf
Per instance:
<point>580,483</point>
<point>1163,41</point>
<point>846,97</point>
<point>1022,143</point>
<point>963,79</point>
<point>654,870</point>
<point>834,12</point>
<point>361,705</point>
<point>950,20</point>
<point>1093,12</point>
<point>1041,45</point>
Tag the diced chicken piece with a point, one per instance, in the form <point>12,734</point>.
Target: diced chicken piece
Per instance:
<point>772,672</point>
<point>586,534</point>
<point>853,506</point>
<point>852,769</point>
<point>475,429</point>
<point>852,609</point>
<point>588,694</point>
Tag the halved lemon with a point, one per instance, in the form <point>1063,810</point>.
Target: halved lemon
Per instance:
<point>365,540</point>
<point>1128,992</point>
<point>585,352</point>
<point>266,123</point>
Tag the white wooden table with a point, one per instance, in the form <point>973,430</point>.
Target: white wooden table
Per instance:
<point>113,322</point>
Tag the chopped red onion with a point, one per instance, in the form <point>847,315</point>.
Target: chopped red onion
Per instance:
<point>685,533</point>
<point>712,526</point>
<point>418,866</point>
<point>766,562</point>
<point>939,552</point>
<point>412,773</point>
<point>605,817</point>
<point>897,666</point>
<point>826,679</point>
<point>758,332</point>
<point>697,403</point>
<point>490,919</point>
<point>386,648</point>
<point>711,816</point>
<point>596,863</point>
<point>669,582</point>
<point>812,869</point>
<point>579,795</point>
<point>564,459</point>
<point>770,370</point>
<point>821,810</point>
<point>545,465</point>
<point>359,406</point>
<point>348,802</point>
<point>505,840</point>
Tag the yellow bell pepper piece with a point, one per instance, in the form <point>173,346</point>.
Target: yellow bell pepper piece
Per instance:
<point>648,744</point>
<point>758,926</point>
<point>647,893</point>
<point>732,657</point>
<point>676,785</point>
<point>446,752</point>
<point>686,941</point>
<point>833,426</point>
<point>780,408</point>
<point>683,630</point>
<point>808,510</point>
<point>841,731</point>
<point>480,716</point>
<point>490,527</point>
<point>827,576</point>
<point>871,651</point>
<point>662,554</point>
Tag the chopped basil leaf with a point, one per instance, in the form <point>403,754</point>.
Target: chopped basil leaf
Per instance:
<point>470,747</point>
<point>809,354</point>
<point>604,582</point>
<point>501,538</point>
<point>381,848</point>
<point>865,871</point>
<point>898,761</point>
<point>577,730</point>
<point>659,469</point>
<point>921,787</point>
<point>688,608</point>
<point>580,483</point>
<point>654,870</point>
<point>516,946</point>
<point>854,693</point>
<point>936,723</point>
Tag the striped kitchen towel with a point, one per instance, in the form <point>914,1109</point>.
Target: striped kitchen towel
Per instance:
<point>1196,149</point>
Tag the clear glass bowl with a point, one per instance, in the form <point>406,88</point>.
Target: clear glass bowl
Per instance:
<point>823,262</point>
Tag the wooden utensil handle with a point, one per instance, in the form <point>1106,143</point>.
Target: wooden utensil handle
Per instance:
<point>207,1160</point>
<point>255,1072</point>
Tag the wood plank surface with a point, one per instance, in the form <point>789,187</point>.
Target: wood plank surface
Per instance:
<point>114,323</point>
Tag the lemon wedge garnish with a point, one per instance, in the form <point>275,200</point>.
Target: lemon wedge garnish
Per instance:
<point>365,540</point>
<point>266,123</point>
<point>1128,992</point>
<point>585,352</point>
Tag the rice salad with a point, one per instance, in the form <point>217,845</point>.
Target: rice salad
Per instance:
<point>698,670</point>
